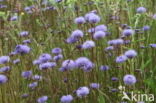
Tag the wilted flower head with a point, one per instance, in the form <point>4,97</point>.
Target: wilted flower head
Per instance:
<point>146,28</point>
<point>45,57</point>
<point>82,91</point>
<point>66,99</point>
<point>27,74</point>
<point>69,64</point>
<point>47,65</point>
<point>121,59</point>
<point>127,32</point>
<point>141,10</point>
<point>56,51</point>
<point>5,69</point>
<point>99,35</point>
<point>3,79</point>
<point>84,63</point>
<point>88,44</point>
<point>101,28</point>
<point>24,33</point>
<point>33,85</point>
<point>22,49</point>
<point>79,20</point>
<point>77,34</point>
<point>95,85</point>
<point>131,53</point>
<point>42,99</point>
<point>129,79</point>
<point>4,59</point>
<point>104,68</point>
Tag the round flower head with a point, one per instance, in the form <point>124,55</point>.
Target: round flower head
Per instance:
<point>93,18</point>
<point>66,99</point>
<point>79,20</point>
<point>121,59</point>
<point>128,32</point>
<point>77,34</point>
<point>154,16</point>
<point>45,57</point>
<point>56,51</point>
<point>22,49</point>
<point>129,79</point>
<point>82,91</point>
<point>37,77</point>
<point>5,69</point>
<point>109,48</point>
<point>4,59</point>
<point>116,42</point>
<point>47,65</point>
<point>88,15</point>
<point>33,85</point>
<point>71,40</point>
<point>69,64</point>
<point>13,18</point>
<point>152,45</point>
<point>141,10</point>
<point>114,79</point>
<point>3,79</point>
<point>27,74</point>
<point>101,28</point>
<point>28,41</point>
<point>146,28</point>
<point>42,99</point>
<point>95,85</point>
<point>98,35</point>
<point>24,33</point>
<point>131,53</point>
<point>57,57</point>
<point>84,63</point>
<point>104,68</point>
<point>37,62</point>
<point>88,44</point>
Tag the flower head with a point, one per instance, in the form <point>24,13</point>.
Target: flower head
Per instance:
<point>88,44</point>
<point>77,34</point>
<point>101,28</point>
<point>131,53</point>
<point>129,79</point>
<point>33,85</point>
<point>45,57</point>
<point>69,64</point>
<point>66,99</point>
<point>27,74</point>
<point>152,45</point>
<point>24,33</point>
<point>47,65</point>
<point>99,35</point>
<point>154,16</point>
<point>128,32</point>
<point>3,79</point>
<point>79,20</point>
<point>42,99</point>
<point>104,68</point>
<point>93,18</point>
<point>146,28</point>
<point>5,69</point>
<point>141,10</point>
<point>82,91</point>
<point>4,59</point>
<point>56,51</point>
<point>95,85</point>
<point>121,59</point>
<point>22,49</point>
<point>116,42</point>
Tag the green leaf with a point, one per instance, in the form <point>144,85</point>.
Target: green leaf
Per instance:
<point>101,99</point>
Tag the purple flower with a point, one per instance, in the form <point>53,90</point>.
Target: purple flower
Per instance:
<point>27,74</point>
<point>3,79</point>
<point>13,18</point>
<point>109,48</point>
<point>5,69</point>
<point>95,85</point>
<point>16,61</point>
<point>101,28</point>
<point>91,30</point>
<point>45,57</point>
<point>93,18</point>
<point>33,85</point>
<point>84,63</point>
<point>114,79</point>
<point>69,64</point>
<point>4,59</point>
<point>37,62</point>
<point>116,42</point>
<point>131,53</point>
<point>47,65</point>
<point>146,28</point>
<point>104,68</point>
<point>42,99</point>
<point>88,44</point>
<point>141,10</point>
<point>82,91</point>
<point>58,1</point>
<point>99,35</point>
<point>77,34</point>
<point>154,16</point>
<point>71,40</point>
<point>28,41</point>
<point>22,49</point>
<point>37,77</point>
<point>24,33</point>
<point>79,20</point>
<point>129,79</point>
<point>25,95</point>
<point>56,51</point>
<point>127,32</point>
<point>57,57</point>
<point>121,59</point>
<point>88,15</point>
<point>152,45</point>
<point>66,99</point>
